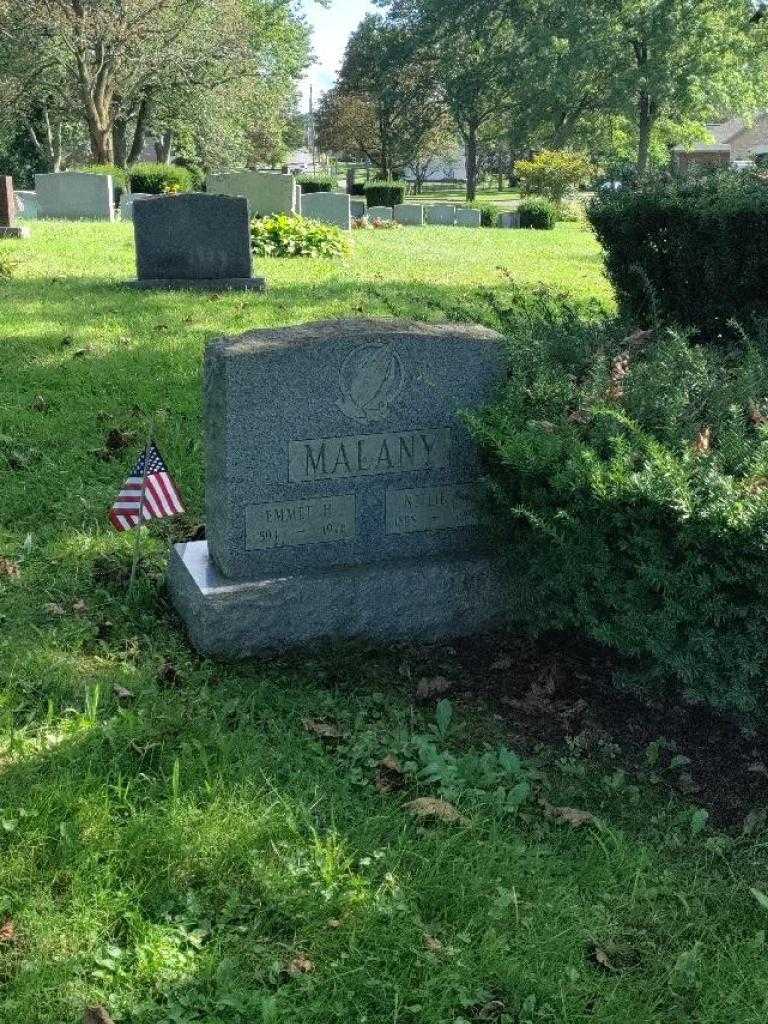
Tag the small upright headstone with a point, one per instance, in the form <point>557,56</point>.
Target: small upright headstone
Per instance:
<point>466,218</point>
<point>340,491</point>
<point>8,226</point>
<point>127,199</point>
<point>359,208</point>
<point>440,213</point>
<point>328,207</point>
<point>267,192</point>
<point>510,220</point>
<point>74,195</point>
<point>26,204</point>
<point>380,212</point>
<point>195,241</point>
<point>410,213</point>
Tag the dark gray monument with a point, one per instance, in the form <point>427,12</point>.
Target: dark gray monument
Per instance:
<point>8,226</point>
<point>194,240</point>
<point>340,489</point>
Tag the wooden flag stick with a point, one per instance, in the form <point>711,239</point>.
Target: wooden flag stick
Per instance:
<point>139,527</point>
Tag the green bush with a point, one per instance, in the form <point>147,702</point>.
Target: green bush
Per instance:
<point>197,173</point>
<point>554,174</point>
<point>317,183</point>
<point>537,213</point>
<point>289,235</point>
<point>358,189</point>
<point>119,177</point>
<point>155,179</point>
<point>489,214</point>
<point>385,193</point>
<point>688,251</point>
<point>629,487</point>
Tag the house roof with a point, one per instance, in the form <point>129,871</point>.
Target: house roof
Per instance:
<point>725,131</point>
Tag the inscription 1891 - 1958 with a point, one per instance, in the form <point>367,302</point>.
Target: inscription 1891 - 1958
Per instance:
<point>337,458</point>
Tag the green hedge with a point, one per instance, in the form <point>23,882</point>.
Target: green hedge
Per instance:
<point>489,213</point>
<point>358,189</point>
<point>385,193</point>
<point>155,179</point>
<point>630,496</point>
<point>537,213</point>
<point>688,251</point>
<point>316,183</point>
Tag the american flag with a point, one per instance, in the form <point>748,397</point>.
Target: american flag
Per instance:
<point>161,498</point>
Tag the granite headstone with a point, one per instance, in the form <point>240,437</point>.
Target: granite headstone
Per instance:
<point>510,220</point>
<point>26,204</point>
<point>410,213</point>
<point>127,199</point>
<point>329,208</point>
<point>358,207</point>
<point>340,489</point>
<point>8,226</point>
<point>466,218</point>
<point>267,192</point>
<point>440,213</point>
<point>380,213</point>
<point>194,240</point>
<point>74,195</point>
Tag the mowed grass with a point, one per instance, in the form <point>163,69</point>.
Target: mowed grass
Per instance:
<point>176,843</point>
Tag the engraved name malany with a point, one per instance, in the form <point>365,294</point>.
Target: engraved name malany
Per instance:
<point>338,458</point>
<point>279,524</point>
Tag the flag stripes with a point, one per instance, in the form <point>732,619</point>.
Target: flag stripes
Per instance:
<point>161,498</point>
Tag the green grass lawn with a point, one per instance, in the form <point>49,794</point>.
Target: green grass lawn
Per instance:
<point>177,845</point>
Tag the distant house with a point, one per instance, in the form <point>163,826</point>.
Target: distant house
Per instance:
<point>747,138</point>
<point>452,167</point>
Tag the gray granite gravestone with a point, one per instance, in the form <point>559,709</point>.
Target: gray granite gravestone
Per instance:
<point>8,226</point>
<point>194,240</point>
<point>26,204</point>
<point>410,213</point>
<point>127,199</point>
<point>468,218</point>
<point>510,220</point>
<point>359,208</point>
<point>267,192</point>
<point>328,207</point>
<point>340,489</point>
<point>380,213</point>
<point>74,195</point>
<point>440,213</point>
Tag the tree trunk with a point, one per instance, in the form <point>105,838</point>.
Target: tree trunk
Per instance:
<point>164,146</point>
<point>646,119</point>
<point>140,131</point>
<point>470,147</point>
<point>120,141</point>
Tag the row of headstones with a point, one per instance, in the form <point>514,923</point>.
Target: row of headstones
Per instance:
<point>74,195</point>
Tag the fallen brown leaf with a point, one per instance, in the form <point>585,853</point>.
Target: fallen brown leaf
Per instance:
<point>757,416</point>
<point>432,944</point>
<point>169,675</point>
<point>323,730</point>
<point>491,1011</point>
<point>758,768</point>
<point>579,416</point>
<point>501,664</point>
<point>8,567</point>
<point>334,923</point>
<point>568,815</point>
<point>638,336</point>
<point>599,957</point>
<point>97,1015</point>
<point>54,610</point>
<point>7,932</point>
<point>118,439</point>
<point>433,807</point>
<point>121,693</point>
<point>79,607</point>
<point>703,443</point>
<point>299,965</point>
<point>40,404</point>
<point>389,775</point>
<point>427,688</point>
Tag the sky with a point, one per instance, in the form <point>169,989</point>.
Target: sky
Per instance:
<point>332,27</point>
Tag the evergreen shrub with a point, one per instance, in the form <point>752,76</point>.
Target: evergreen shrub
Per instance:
<point>316,183</point>
<point>538,213</point>
<point>629,486</point>
<point>489,214</point>
<point>155,179</point>
<point>689,251</point>
<point>385,193</point>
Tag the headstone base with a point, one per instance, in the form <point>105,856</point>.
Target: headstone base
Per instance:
<point>16,232</point>
<point>213,284</point>
<point>423,600</point>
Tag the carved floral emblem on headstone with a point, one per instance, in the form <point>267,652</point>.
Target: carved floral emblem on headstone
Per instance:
<point>371,378</point>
